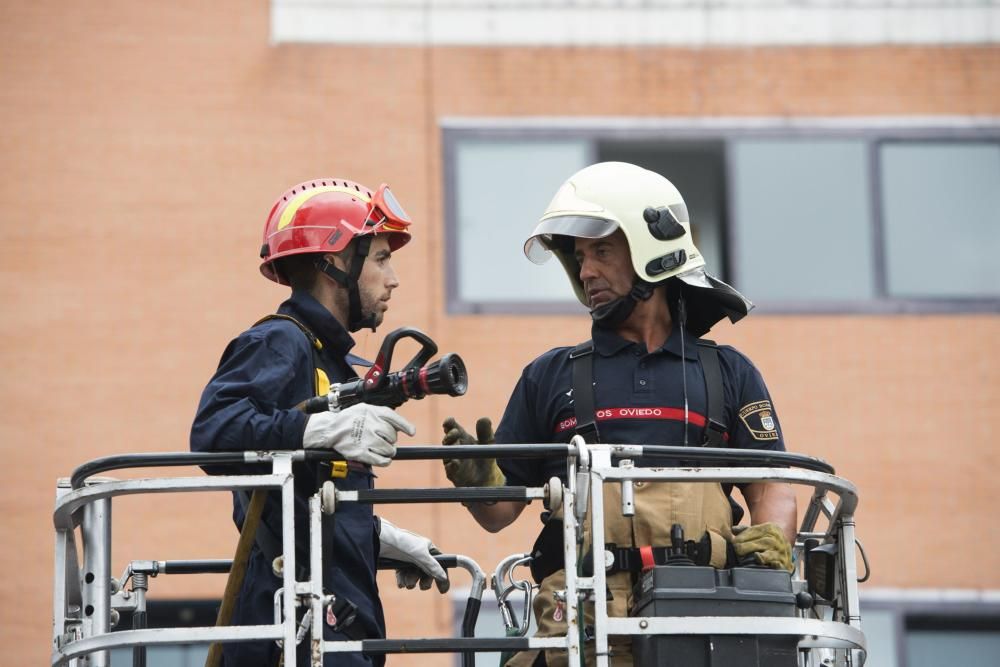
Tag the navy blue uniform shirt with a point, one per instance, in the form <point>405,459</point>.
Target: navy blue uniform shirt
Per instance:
<point>639,399</point>
<point>249,404</point>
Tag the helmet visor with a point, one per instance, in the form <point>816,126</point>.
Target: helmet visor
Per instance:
<point>538,248</point>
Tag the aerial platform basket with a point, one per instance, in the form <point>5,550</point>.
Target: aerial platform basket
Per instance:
<point>818,611</point>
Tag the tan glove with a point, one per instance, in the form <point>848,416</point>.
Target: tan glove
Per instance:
<point>767,543</point>
<point>471,472</point>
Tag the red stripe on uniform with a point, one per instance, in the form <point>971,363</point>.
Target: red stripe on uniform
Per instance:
<point>668,414</point>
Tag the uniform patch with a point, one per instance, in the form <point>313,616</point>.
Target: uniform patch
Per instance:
<point>758,417</point>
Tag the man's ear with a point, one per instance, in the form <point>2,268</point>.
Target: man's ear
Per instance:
<point>338,259</point>
<point>342,260</point>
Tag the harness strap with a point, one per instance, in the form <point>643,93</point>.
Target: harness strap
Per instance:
<point>584,402</point>
<point>715,418</point>
<point>582,357</point>
<point>313,340</point>
<point>321,381</point>
<point>344,614</point>
<point>267,539</point>
<point>709,551</point>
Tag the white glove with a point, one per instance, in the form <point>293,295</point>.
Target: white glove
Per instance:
<point>400,544</point>
<point>362,432</point>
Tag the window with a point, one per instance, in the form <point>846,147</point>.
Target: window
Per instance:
<point>928,628</point>
<point>941,204</point>
<point>804,227</point>
<point>500,190</point>
<point>824,218</point>
<point>698,170</point>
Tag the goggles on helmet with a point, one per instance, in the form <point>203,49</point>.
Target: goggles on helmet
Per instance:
<point>539,247</point>
<point>386,213</point>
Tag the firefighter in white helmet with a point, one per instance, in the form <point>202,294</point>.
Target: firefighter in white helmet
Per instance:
<point>645,377</point>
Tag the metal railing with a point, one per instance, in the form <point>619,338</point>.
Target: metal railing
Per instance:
<point>88,600</point>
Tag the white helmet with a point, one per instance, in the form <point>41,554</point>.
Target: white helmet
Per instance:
<point>650,211</point>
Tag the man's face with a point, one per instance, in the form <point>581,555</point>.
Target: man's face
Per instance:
<point>377,279</point>
<point>605,268</point>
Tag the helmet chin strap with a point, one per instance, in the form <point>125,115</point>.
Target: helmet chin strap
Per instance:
<point>613,314</point>
<point>356,320</point>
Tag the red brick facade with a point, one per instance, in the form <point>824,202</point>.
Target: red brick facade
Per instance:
<point>143,144</point>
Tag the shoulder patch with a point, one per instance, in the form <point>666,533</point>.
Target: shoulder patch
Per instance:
<point>758,417</point>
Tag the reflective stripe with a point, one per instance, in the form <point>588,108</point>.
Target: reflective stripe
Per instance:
<point>297,202</point>
<point>655,413</point>
<point>322,382</point>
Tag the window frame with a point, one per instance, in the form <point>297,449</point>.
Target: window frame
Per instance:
<point>873,131</point>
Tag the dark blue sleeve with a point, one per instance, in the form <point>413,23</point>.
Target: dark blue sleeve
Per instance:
<point>517,426</point>
<point>249,402</point>
<point>753,421</point>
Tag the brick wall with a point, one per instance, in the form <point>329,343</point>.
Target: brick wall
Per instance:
<point>143,145</point>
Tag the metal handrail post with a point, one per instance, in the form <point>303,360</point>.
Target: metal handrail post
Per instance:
<point>574,611</point>
<point>66,594</point>
<point>283,465</point>
<point>140,584</point>
<point>96,528</point>
<point>848,566</point>
<point>316,644</point>
<point>600,460</point>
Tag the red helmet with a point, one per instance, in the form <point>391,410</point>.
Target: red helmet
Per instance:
<point>326,214</point>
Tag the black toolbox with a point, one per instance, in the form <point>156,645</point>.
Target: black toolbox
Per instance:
<point>688,590</point>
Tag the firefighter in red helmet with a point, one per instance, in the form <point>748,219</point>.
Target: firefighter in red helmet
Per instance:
<point>331,241</point>
<point>320,218</point>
